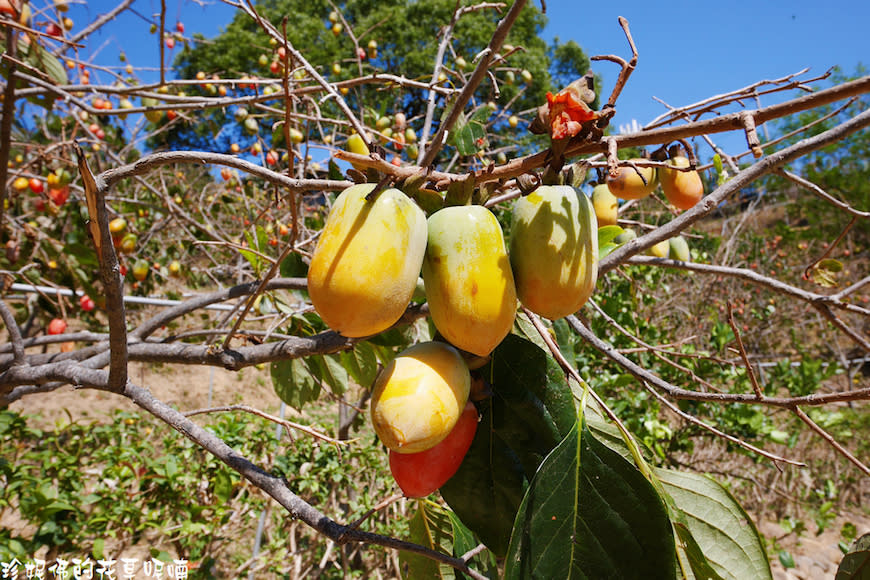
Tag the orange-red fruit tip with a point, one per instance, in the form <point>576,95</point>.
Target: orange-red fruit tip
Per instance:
<point>420,474</point>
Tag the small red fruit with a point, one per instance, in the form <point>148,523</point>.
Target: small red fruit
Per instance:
<point>171,115</point>
<point>36,185</point>
<point>170,42</point>
<point>419,474</point>
<point>53,30</point>
<point>59,195</point>
<point>87,303</point>
<point>57,326</point>
<point>179,26</point>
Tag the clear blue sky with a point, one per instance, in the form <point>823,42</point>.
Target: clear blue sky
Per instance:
<point>693,50</point>
<point>688,50</point>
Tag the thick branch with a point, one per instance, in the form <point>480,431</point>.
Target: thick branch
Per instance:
<point>710,202</point>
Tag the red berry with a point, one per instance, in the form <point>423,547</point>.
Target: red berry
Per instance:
<point>36,185</point>
<point>57,326</point>
<point>87,303</point>
<point>59,196</point>
<point>179,26</point>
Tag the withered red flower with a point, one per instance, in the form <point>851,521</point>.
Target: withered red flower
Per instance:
<point>567,113</point>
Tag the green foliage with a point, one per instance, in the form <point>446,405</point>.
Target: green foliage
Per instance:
<point>717,523</point>
<point>856,563</point>
<point>531,410</point>
<point>589,513</point>
<point>840,169</point>
<point>80,485</point>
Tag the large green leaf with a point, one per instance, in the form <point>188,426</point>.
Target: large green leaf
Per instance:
<point>722,529</point>
<point>531,410</point>
<point>295,382</point>
<point>856,564</point>
<point>589,513</point>
<point>431,527</point>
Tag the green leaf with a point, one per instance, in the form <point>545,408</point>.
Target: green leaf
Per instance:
<point>334,170</point>
<point>253,258</point>
<point>589,513</point>
<point>855,565</point>
<point>720,526</point>
<point>692,556</point>
<point>36,56</point>
<point>292,266</point>
<point>825,272</point>
<point>430,527</point>
<point>531,410</point>
<point>566,339</point>
<point>488,487</point>
<point>97,550</point>
<point>331,372</point>
<point>222,486</point>
<point>606,235</point>
<point>361,363</point>
<point>468,135</point>
<point>294,382</point>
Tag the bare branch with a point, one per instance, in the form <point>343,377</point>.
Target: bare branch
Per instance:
<point>277,420</point>
<point>477,77</point>
<point>831,441</point>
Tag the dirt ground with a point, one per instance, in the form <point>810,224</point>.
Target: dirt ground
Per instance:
<point>816,557</point>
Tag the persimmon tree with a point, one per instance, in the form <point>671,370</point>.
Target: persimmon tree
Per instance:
<point>555,479</point>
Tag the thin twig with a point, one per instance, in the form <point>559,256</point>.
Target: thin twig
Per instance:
<point>647,377</point>
<point>831,441</point>
<point>755,386</point>
<point>476,78</point>
<point>277,420</point>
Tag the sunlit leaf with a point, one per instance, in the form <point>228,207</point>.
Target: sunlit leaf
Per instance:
<point>294,382</point>
<point>531,410</point>
<point>430,526</point>
<point>723,530</point>
<point>825,272</point>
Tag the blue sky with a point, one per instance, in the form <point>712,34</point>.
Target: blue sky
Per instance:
<point>688,50</point>
<point>693,50</point>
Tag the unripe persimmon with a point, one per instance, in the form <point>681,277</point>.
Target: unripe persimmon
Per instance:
<point>420,474</point>
<point>418,398</point>
<point>660,250</point>
<point>554,250</point>
<point>468,278</point>
<point>367,260</point>
<point>679,249</point>
<point>631,183</point>
<point>605,204</point>
<point>683,189</point>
